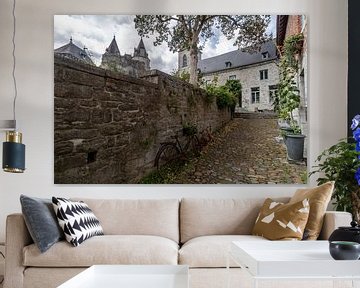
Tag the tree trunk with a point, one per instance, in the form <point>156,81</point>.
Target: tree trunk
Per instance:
<point>193,63</point>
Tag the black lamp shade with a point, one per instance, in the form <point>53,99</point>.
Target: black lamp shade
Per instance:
<point>13,157</point>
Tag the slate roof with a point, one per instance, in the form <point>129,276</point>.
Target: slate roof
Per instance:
<point>113,47</point>
<point>73,51</point>
<point>237,59</point>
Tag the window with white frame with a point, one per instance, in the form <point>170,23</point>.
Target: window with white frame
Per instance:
<point>255,95</point>
<point>272,92</point>
<point>264,74</point>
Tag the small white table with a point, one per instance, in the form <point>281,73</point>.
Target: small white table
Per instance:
<point>131,276</point>
<point>293,260</point>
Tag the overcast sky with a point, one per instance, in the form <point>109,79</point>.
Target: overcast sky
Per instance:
<point>95,32</point>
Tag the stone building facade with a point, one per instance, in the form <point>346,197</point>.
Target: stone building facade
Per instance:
<point>135,65</point>
<point>257,72</point>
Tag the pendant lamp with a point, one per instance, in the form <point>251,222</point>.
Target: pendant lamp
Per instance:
<point>13,149</point>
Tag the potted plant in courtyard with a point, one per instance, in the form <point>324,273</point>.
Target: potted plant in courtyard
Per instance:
<point>294,142</point>
<point>287,100</point>
<point>341,163</point>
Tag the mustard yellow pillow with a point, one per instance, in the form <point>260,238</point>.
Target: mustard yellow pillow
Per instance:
<point>279,221</point>
<point>319,198</point>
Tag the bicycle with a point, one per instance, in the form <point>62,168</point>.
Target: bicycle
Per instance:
<point>205,136</point>
<point>172,153</point>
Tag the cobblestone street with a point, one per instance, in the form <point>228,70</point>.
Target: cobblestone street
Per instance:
<point>244,152</point>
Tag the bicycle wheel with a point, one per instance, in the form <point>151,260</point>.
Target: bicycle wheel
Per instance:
<point>195,145</point>
<point>167,155</point>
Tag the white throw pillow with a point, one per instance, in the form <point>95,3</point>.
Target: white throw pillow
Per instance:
<point>76,220</point>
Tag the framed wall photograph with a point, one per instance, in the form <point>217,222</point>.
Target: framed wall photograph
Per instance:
<point>180,99</point>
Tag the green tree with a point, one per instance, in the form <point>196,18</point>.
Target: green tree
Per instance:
<point>190,32</point>
<point>234,87</point>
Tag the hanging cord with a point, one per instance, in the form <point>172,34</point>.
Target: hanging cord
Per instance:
<point>2,277</point>
<point>14,60</point>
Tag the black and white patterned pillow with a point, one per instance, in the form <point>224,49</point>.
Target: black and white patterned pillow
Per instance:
<point>77,220</point>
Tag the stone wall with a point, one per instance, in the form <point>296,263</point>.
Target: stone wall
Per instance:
<point>108,126</point>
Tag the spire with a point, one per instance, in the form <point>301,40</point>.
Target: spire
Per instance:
<point>140,51</point>
<point>113,47</point>
<point>141,45</point>
<point>70,39</point>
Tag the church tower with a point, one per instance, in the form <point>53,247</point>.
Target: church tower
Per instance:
<point>111,58</point>
<point>184,60</point>
<point>141,55</point>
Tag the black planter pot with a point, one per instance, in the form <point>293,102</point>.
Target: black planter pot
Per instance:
<point>295,146</point>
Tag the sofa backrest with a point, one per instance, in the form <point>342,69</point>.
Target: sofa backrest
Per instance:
<point>159,217</point>
<point>200,217</point>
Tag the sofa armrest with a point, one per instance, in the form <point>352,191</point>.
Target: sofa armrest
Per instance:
<point>17,237</point>
<point>333,220</point>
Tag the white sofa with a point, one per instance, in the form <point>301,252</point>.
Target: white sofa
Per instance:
<point>194,232</point>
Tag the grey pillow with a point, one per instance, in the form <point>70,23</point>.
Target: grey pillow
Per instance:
<point>41,221</point>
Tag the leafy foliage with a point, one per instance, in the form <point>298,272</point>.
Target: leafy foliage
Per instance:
<point>339,163</point>
<point>223,95</point>
<point>183,75</point>
<point>292,47</point>
<point>288,97</point>
<point>234,87</point>
<point>190,32</point>
<point>189,129</point>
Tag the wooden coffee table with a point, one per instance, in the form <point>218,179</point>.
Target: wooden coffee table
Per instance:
<point>293,260</point>
<point>131,276</point>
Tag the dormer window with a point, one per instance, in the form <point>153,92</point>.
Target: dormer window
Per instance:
<point>228,64</point>
<point>265,55</point>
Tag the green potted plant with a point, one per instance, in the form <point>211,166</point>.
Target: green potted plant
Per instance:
<point>287,100</point>
<point>341,163</point>
<point>294,142</point>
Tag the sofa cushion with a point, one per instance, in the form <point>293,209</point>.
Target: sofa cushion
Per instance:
<point>319,198</point>
<point>41,221</point>
<point>201,217</point>
<point>107,249</point>
<point>279,221</point>
<point>158,217</point>
<point>77,220</point>
<point>211,251</point>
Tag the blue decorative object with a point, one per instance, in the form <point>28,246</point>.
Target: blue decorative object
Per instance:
<point>355,122</point>
<point>13,153</point>
<point>356,134</point>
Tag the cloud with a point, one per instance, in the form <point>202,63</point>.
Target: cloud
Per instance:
<point>95,32</point>
<point>271,29</point>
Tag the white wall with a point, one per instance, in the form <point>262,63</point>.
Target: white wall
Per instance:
<point>34,39</point>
